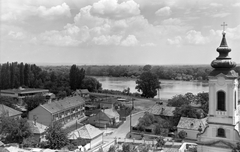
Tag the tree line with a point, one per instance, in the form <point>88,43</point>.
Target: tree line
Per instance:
<point>60,82</point>
<point>167,72</point>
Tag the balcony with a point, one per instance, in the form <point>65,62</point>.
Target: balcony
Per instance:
<point>222,113</point>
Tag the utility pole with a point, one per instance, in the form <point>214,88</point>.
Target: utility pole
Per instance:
<point>131,117</point>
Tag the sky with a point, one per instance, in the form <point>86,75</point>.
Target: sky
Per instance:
<point>117,32</point>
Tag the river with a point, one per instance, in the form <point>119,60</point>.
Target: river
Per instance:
<point>169,88</point>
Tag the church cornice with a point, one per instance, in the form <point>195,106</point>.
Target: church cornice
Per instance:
<point>214,142</point>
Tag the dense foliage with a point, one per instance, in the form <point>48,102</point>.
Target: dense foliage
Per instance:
<point>148,84</point>
<point>185,105</point>
<point>14,130</point>
<point>76,77</point>
<point>56,136</point>
<point>59,80</point>
<point>34,101</point>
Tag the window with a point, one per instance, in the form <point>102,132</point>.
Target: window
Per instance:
<point>221,101</point>
<point>221,132</point>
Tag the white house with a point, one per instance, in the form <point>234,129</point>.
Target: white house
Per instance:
<point>91,134</point>
<point>191,126</point>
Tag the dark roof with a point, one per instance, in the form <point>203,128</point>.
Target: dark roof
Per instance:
<point>66,103</point>
<point>24,90</point>
<point>84,91</point>
<point>10,111</point>
<point>161,110</point>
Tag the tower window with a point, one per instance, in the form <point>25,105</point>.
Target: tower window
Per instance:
<point>221,132</point>
<point>221,101</point>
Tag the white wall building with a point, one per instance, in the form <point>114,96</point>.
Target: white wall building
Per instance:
<point>222,133</point>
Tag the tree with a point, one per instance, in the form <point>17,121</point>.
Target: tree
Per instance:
<point>147,67</point>
<point>112,148</point>
<point>76,76</point>
<point>15,131</point>
<point>182,134</point>
<point>92,84</point>
<point>30,142</point>
<point>33,102</point>
<point>56,136</point>
<point>148,83</point>
<point>160,142</point>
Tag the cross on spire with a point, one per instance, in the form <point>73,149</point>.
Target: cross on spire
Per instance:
<point>223,25</point>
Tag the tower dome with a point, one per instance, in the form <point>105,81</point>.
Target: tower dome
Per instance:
<point>223,63</point>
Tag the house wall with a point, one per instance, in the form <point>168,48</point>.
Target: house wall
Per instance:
<point>99,120</point>
<point>42,115</point>
<point>191,134</point>
<point>201,148</point>
<point>97,140</point>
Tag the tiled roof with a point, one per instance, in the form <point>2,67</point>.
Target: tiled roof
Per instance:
<point>84,91</point>
<point>192,123</point>
<point>111,113</point>
<point>23,90</point>
<point>66,103</point>
<point>161,110</point>
<point>86,132</point>
<point>10,111</point>
<point>36,127</point>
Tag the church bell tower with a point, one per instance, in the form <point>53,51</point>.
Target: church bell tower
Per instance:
<point>222,133</point>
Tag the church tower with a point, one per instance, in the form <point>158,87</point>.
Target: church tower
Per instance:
<point>222,133</point>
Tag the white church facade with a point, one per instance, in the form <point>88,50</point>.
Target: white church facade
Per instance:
<point>222,132</point>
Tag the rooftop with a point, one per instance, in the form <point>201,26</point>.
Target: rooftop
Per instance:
<point>158,109</point>
<point>10,111</point>
<point>111,113</point>
<point>86,132</point>
<point>192,123</point>
<point>65,103</point>
<point>24,90</point>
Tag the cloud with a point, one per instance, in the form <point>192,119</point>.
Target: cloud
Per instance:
<point>236,5</point>
<point>113,9</point>
<point>165,11</point>
<point>107,40</point>
<point>16,35</point>
<point>195,37</point>
<point>175,41</point>
<point>215,5</point>
<point>221,15</point>
<point>84,17</point>
<point>172,21</point>
<point>131,40</point>
<point>58,39</point>
<point>59,10</point>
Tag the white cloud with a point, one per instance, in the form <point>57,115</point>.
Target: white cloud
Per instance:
<point>113,9</point>
<point>131,40</point>
<point>84,17</point>
<point>148,44</point>
<point>165,11</point>
<point>195,37</point>
<point>221,15</point>
<point>172,21</point>
<point>236,5</point>
<point>16,35</point>
<point>107,40</point>
<point>59,10</point>
<point>175,41</point>
<point>58,39</point>
<point>215,5</point>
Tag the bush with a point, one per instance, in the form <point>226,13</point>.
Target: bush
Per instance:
<point>182,134</point>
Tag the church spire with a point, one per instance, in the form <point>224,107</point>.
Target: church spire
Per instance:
<point>223,61</point>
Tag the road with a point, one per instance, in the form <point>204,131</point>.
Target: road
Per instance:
<point>122,131</point>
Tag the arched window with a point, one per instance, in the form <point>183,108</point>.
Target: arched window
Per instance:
<point>221,132</point>
<point>221,101</point>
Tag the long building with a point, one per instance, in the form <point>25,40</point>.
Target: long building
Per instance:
<point>22,93</point>
<point>63,111</point>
